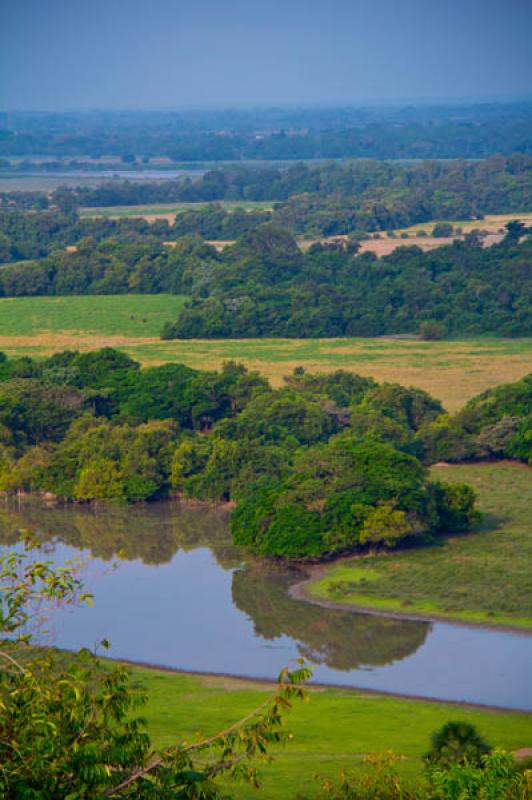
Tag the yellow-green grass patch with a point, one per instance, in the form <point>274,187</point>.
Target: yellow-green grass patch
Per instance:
<point>452,371</point>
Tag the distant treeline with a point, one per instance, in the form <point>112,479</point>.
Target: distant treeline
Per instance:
<point>423,132</point>
<point>324,200</point>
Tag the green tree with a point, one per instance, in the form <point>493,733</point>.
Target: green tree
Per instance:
<point>442,230</point>
<point>386,525</point>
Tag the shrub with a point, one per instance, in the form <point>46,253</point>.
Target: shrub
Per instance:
<point>442,230</point>
<point>431,330</point>
<point>456,742</point>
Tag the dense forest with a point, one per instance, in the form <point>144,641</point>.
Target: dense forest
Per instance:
<point>265,286</point>
<point>326,464</point>
<point>444,131</point>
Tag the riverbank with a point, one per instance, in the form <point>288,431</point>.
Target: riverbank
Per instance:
<point>309,589</point>
<point>332,732</point>
<point>482,578</point>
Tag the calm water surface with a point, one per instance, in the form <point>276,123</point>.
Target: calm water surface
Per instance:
<point>171,590</point>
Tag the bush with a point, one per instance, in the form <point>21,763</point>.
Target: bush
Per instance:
<point>457,742</point>
<point>442,230</point>
<point>431,330</point>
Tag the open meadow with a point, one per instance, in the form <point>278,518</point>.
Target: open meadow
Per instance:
<point>332,732</point>
<point>452,371</point>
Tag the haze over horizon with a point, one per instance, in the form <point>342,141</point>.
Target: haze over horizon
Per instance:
<point>173,54</point>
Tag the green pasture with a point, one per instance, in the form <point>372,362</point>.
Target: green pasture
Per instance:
<point>129,315</point>
<point>168,208</point>
<point>481,577</point>
<point>332,731</point>
<point>452,371</point>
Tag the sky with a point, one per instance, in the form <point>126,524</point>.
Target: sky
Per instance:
<point>174,54</point>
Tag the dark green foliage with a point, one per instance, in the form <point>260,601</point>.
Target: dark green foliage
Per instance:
<point>432,330</point>
<point>320,466</point>
<point>514,399</point>
<point>342,387</point>
<point>457,743</point>
<point>34,234</point>
<point>494,424</point>
<point>345,494</point>
<point>328,292</point>
<point>442,229</point>
<point>31,413</point>
<point>281,417</point>
<point>520,445</point>
<point>116,262</point>
<point>409,407</point>
<point>215,223</point>
<point>157,393</point>
<point>454,504</point>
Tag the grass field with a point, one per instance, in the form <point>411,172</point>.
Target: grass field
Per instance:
<point>452,371</point>
<point>331,732</point>
<point>166,210</point>
<point>491,223</point>
<point>127,316</point>
<point>481,577</point>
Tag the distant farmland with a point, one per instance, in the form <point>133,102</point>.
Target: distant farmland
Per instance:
<point>453,371</point>
<point>492,225</point>
<point>165,210</point>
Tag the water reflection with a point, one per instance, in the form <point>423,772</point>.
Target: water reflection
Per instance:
<point>151,533</point>
<point>155,533</point>
<point>184,597</point>
<point>339,639</point>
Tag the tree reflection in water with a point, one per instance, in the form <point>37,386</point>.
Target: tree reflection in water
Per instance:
<point>339,639</point>
<point>154,533</point>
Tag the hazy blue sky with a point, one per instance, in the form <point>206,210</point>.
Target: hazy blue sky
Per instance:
<point>71,54</point>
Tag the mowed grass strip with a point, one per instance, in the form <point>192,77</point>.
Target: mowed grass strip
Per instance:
<point>332,732</point>
<point>481,577</point>
<point>452,371</point>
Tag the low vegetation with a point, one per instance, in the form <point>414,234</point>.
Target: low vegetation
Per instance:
<point>481,578</point>
<point>333,733</point>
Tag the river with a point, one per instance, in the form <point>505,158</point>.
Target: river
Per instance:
<point>170,589</point>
